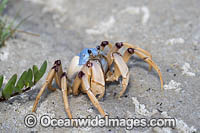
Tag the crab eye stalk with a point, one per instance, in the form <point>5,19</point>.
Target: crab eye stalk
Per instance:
<point>98,49</point>
<point>90,53</point>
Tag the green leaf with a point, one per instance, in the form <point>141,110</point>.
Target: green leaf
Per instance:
<point>21,82</point>
<point>29,78</point>
<point>43,67</point>
<point>29,75</point>
<point>35,70</point>
<point>3,5</point>
<point>8,90</point>
<point>41,72</point>
<point>1,81</point>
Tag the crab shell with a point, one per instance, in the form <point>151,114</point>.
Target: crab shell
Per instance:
<point>81,59</point>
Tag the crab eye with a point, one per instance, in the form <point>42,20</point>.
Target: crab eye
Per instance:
<point>98,47</point>
<point>89,51</point>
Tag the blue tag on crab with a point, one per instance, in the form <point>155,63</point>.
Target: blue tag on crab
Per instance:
<point>84,55</point>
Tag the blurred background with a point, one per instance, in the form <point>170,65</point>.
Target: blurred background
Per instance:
<point>169,30</point>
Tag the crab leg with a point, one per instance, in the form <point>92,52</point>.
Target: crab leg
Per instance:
<point>86,87</point>
<point>147,59</point>
<point>114,49</point>
<point>58,73</point>
<point>48,82</point>
<point>76,84</point>
<point>64,91</point>
<point>49,86</point>
<point>104,44</point>
<point>95,102</point>
<point>127,45</point>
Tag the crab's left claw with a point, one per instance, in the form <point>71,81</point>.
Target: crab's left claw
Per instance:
<point>93,99</point>
<point>120,69</point>
<point>97,80</point>
<point>84,79</point>
<point>85,83</point>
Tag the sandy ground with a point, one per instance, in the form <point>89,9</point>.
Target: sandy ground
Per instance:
<point>169,30</point>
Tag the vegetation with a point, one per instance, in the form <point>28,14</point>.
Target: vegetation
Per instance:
<point>7,28</point>
<point>27,79</point>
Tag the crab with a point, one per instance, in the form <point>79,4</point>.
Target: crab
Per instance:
<point>91,69</point>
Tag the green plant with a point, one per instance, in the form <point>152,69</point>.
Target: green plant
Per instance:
<point>27,80</point>
<point>7,29</point>
<point>3,6</point>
